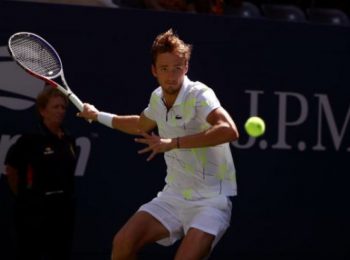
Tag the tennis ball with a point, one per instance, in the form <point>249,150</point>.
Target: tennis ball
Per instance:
<point>255,126</point>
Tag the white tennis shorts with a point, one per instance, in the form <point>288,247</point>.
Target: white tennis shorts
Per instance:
<point>178,215</point>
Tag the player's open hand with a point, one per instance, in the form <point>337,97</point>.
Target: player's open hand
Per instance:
<point>155,144</point>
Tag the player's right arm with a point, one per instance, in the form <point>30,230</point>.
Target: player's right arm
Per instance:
<point>133,124</point>
<point>130,124</point>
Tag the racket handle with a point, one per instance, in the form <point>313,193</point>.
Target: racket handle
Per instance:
<point>76,101</point>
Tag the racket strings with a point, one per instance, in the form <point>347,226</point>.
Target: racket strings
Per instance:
<point>36,56</point>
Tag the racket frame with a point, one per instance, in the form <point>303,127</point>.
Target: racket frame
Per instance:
<point>49,80</point>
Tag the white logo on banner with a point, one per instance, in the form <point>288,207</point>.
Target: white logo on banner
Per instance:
<point>24,89</point>
<point>327,125</point>
<point>14,80</point>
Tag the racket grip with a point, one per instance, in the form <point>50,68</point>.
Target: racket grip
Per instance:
<point>77,102</point>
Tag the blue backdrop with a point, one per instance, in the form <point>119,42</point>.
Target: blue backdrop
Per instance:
<point>292,182</point>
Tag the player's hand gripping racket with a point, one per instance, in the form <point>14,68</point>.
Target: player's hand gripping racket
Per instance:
<point>41,60</point>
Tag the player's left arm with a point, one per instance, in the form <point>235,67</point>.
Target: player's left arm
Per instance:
<point>222,130</point>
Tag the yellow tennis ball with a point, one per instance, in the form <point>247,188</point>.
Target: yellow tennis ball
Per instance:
<point>255,126</point>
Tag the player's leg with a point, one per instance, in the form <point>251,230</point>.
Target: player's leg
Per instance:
<point>141,229</point>
<point>195,245</point>
<point>205,222</point>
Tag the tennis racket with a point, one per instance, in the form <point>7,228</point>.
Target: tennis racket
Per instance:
<point>40,59</point>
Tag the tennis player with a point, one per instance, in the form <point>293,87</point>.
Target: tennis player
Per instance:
<point>194,135</point>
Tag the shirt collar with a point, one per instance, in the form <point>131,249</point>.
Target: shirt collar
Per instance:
<point>181,96</point>
<point>45,131</point>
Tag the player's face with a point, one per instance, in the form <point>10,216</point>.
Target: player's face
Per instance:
<point>170,70</point>
<point>55,111</point>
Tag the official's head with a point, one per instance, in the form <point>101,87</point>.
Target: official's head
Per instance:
<point>51,105</point>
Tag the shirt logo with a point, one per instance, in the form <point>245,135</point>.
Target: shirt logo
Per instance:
<point>48,150</point>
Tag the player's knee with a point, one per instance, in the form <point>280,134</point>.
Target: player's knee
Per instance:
<point>122,247</point>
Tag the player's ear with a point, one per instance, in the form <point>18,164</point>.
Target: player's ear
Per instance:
<point>186,68</point>
<point>154,71</point>
<point>41,112</point>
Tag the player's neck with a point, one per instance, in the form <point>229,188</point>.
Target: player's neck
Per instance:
<point>169,100</point>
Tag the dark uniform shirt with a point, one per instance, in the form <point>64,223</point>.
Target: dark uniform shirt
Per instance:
<point>45,163</point>
<point>44,209</point>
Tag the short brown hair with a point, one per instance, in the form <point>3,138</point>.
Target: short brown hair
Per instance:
<point>44,96</point>
<point>170,42</point>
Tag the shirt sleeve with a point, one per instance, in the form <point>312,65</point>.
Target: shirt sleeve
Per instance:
<point>206,103</point>
<point>150,110</point>
<point>15,156</point>
<point>148,113</point>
